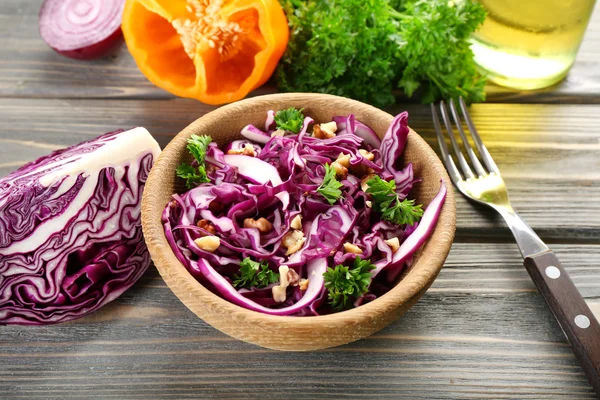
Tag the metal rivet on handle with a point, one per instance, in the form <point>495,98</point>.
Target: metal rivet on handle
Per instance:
<point>552,272</point>
<point>582,321</point>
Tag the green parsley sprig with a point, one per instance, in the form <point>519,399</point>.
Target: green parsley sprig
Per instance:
<point>197,145</point>
<point>254,274</point>
<point>330,188</point>
<point>367,49</point>
<point>386,201</point>
<point>290,120</point>
<point>345,284</point>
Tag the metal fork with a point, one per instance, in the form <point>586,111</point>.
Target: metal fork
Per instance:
<point>479,179</point>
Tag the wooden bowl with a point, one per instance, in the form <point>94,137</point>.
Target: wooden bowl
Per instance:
<point>295,333</point>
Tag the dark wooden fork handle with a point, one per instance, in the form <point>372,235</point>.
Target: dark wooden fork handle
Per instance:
<point>570,310</point>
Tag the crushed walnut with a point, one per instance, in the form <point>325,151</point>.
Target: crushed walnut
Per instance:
<point>296,222</point>
<point>366,154</point>
<point>352,248</point>
<point>363,182</point>
<point>303,285</point>
<point>262,224</point>
<point>394,244</point>
<point>248,150</point>
<point>330,128</point>
<point>279,291</point>
<point>207,226</point>
<point>278,132</point>
<point>293,241</point>
<point>208,243</point>
<point>341,172</point>
<point>293,277</point>
<point>215,207</point>
<point>343,160</point>
<point>325,131</point>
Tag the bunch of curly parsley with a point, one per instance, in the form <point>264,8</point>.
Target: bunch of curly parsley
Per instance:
<point>365,49</point>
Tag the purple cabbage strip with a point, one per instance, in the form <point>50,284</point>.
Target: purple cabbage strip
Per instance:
<point>270,121</point>
<point>351,125</point>
<point>392,147</point>
<point>418,236</point>
<point>254,134</point>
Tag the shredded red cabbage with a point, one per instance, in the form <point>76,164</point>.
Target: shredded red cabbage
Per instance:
<point>265,202</point>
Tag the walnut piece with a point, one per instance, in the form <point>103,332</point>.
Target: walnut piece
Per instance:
<point>318,133</point>
<point>248,150</point>
<point>325,131</point>
<point>352,248</point>
<point>208,243</point>
<point>207,226</point>
<point>394,244</point>
<point>364,180</point>
<point>367,154</point>
<point>296,222</point>
<point>262,224</point>
<point>303,284</point>
<point>279,291</point>
<point>278,132</point>
<point>293,241</point>
<point>341,172</point>
<point>343,160</point>
<point>330,128</point>
<point>215,207</point>
<point>293,277</point>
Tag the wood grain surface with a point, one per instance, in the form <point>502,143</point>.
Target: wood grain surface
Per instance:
<point>481,331</point>
<point>28,68</point>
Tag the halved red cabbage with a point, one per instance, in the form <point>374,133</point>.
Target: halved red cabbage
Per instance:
<point>70,231</point>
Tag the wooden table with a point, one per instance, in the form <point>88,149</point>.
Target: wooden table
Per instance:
<point>481,331</point>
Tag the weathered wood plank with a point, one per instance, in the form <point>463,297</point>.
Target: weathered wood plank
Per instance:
<point>29,68</point>
<point>498,341</point>
<point>549,154</point>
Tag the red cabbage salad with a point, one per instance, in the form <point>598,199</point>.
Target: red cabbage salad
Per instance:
<point>299,218</point>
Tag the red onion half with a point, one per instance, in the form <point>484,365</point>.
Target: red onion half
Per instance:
<point>81,29</point>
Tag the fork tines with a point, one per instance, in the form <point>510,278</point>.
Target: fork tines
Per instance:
<point>465,167</point>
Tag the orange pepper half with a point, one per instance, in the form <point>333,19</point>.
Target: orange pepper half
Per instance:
<point>216,51</point>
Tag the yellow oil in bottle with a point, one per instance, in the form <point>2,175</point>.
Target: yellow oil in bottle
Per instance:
<point>530,44</point>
